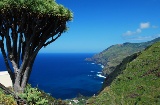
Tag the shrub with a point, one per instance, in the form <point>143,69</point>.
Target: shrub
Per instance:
<point>6,99</point>
<point>33,96</point>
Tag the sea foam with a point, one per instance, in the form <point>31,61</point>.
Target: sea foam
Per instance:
<point>102,66</point>
<point>101,76</point>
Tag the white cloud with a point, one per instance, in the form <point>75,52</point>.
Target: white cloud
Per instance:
<point>144,25</point>
<point>128,33</point>
<point>137,34</point>
<point>144,38</point>
<point>138,30</point>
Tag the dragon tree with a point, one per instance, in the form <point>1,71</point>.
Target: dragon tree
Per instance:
<point>26,26</point>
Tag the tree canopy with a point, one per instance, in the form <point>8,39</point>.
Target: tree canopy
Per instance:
<point>39,7</point>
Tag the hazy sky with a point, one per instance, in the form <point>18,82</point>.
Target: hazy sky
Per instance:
<point>98,24</point>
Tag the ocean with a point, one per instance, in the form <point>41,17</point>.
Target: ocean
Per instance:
<point>65,76</point>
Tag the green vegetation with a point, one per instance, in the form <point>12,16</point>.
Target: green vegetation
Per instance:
<point>137,82</point>
<point>6,99</point>
<point>34,96</point>
<point>37,6</point>
<point>118,70</point>
<point>113,56</point>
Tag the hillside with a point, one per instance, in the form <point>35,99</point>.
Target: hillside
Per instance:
<point>134,83</point>
<point>113,56</point>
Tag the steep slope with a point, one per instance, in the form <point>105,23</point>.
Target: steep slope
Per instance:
<point>113,56</point>
<point>137,82</point>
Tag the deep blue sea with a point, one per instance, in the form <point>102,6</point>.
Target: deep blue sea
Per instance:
<point>65,76</point>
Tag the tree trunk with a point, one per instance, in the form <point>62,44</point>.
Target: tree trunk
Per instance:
<point>17,88</point>
<point>21,80</point>
<point>23,73</point>
<point>20,83</point>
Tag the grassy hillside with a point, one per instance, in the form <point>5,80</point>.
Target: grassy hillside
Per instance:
<point>113,56</point>
<point>137,83</point>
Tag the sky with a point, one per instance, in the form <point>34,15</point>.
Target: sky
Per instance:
<point>98,24</point>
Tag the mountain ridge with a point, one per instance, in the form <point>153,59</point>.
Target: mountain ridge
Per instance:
<point>113,55</point>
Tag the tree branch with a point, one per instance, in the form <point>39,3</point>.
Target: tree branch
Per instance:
<point>49,29</point>
<point>14,39</point>
<point>58,31</point>
<point>53,39</point>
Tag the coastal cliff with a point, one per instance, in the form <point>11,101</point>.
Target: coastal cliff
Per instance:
<point>114,55</point>
<point>134,81</point>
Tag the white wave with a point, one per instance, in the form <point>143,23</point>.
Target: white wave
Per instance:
<point>92,63</point>
<point>101,82</point>
<point>101,76</point>
<point>89,75</point>
<point>92,71</point>
<point>102,66</point>
<point>99,72</point>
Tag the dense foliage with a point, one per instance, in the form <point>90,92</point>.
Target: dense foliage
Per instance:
<point>36,6</point>
<point>137,84</point>
<point>34,96</point>
<point>113,56</point>
<point>6,99</point>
